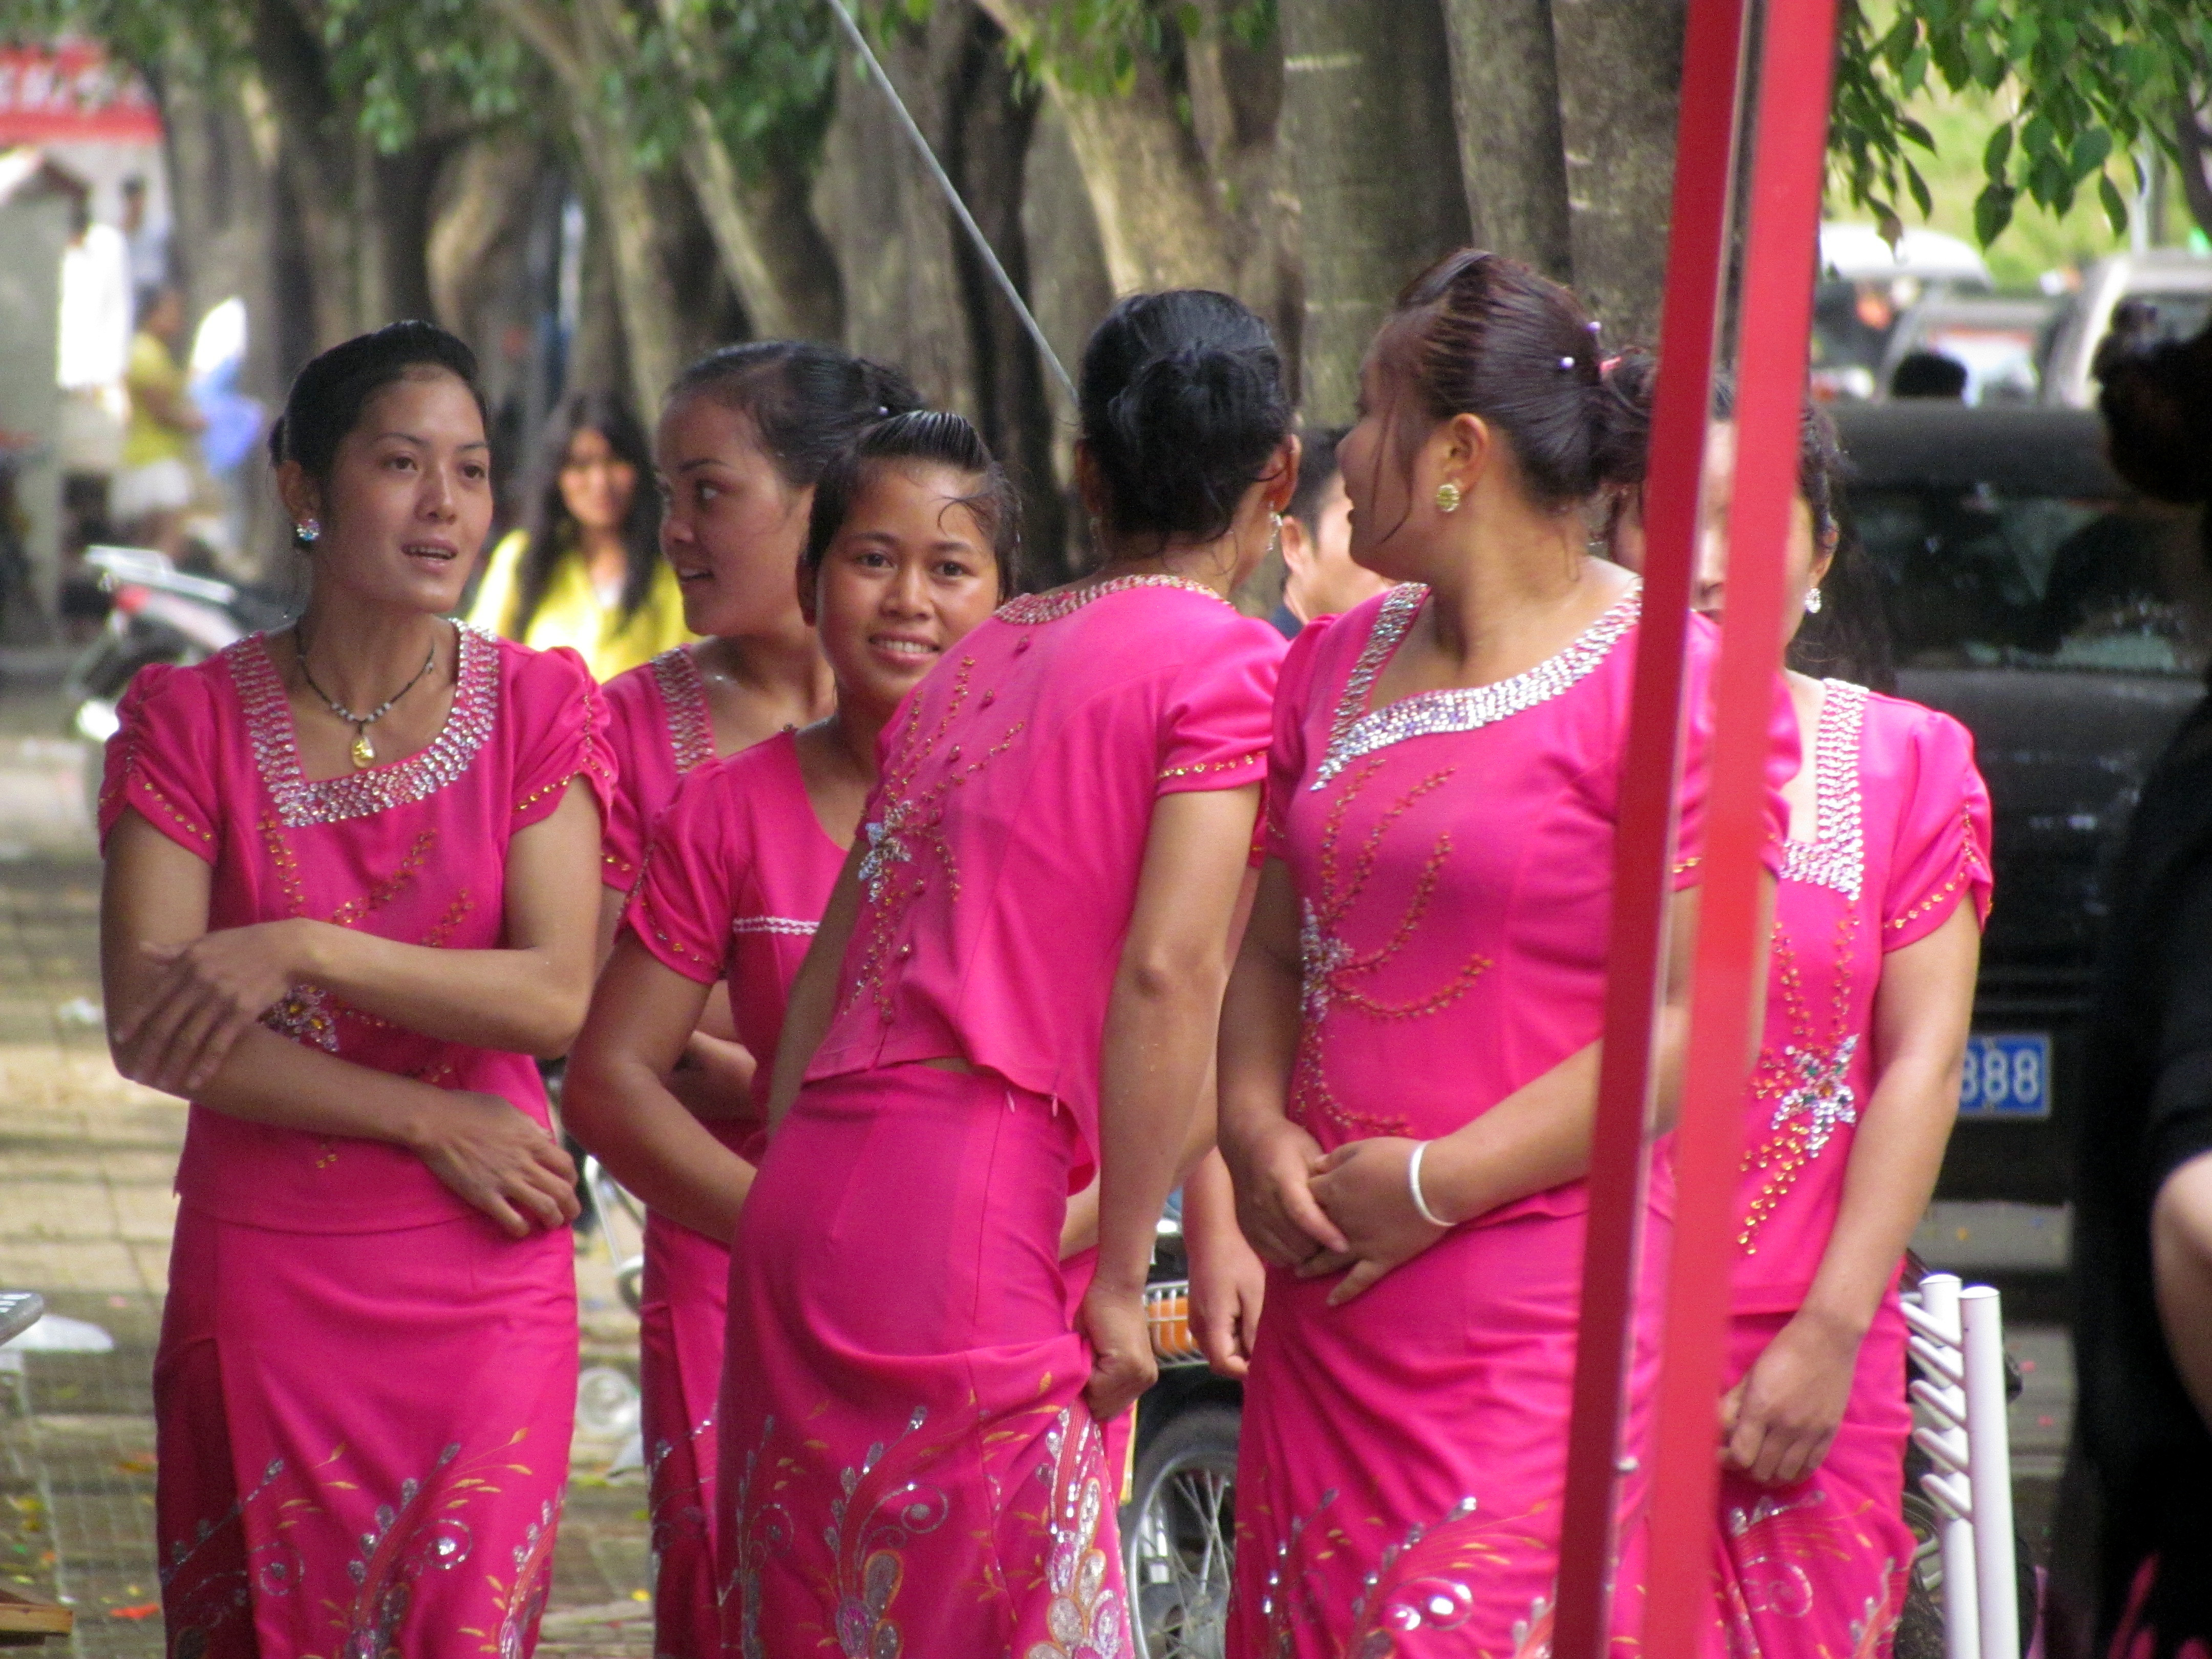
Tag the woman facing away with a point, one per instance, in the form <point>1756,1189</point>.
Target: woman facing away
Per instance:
<point>340,919</point>
<point>584,570</point>
<point>743,438</point>
<point>1016,983</point>
<point>1877,935</point>
<point>1409,1049</point>
<point>912,544</point>
<point>2137,1493</point>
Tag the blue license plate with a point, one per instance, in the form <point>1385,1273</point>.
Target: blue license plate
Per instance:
<point>2007,1077</point>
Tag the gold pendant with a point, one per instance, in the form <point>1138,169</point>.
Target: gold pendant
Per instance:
<point>364,756</point>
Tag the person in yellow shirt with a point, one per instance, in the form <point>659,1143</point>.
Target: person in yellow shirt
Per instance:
<point>153,490</point>
<point>585,569</point>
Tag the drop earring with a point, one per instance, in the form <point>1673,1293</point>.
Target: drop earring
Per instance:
<point>1274,535</point>
<point>1447,497</point>
<point>1812,601</point>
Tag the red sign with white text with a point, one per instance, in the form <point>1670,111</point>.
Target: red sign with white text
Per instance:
<point>73,94</point>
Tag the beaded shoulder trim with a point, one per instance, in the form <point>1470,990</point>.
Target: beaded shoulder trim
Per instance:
<point>1464,709</point>
<point>1836,856</point>
<point>300,803</point>
<point>1029,610</point>
<point>684,701</point>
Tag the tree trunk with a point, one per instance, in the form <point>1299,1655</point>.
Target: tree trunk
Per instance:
<point>771,250</point>
<point>316,158</point>
<point>1506,94</point>
<point>1369,122</point>
<point>888,222</point>
<point>1619,82</point>
<point>395,279</point>
<point>2196,145</point>
<point>583,46</point>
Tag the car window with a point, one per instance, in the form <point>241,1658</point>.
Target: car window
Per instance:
<point>1980,576</point>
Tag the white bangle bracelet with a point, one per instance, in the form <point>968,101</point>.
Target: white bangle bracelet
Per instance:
<point>1414,1187</point>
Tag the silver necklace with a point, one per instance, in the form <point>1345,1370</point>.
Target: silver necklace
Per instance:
<point>364,751</point>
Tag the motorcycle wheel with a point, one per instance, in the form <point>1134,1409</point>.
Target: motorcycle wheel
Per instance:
<point>1178,1536</point>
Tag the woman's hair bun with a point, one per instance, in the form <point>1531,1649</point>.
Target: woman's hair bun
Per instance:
<point>1182,406</point>
<point>2157,404</point>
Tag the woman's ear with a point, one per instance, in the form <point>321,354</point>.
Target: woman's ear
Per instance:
<point>1298,546</point>
<point>1090,488</point>
<point>1283,478</point>
<point>303,500</point>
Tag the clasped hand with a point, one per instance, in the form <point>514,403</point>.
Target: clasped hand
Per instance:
<point>202,997</point>
<point>1348,1212</point>
<point>1778,1421</point>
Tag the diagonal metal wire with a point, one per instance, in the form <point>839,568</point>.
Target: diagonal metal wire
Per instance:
<point>929,160</point>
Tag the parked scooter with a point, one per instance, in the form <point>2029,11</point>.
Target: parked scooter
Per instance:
<point>157,613</point>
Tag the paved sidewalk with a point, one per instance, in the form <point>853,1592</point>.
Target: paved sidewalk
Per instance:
<point>85,1216</point>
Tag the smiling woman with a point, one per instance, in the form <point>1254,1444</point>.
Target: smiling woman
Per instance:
<point>336,918</point>
<point>745,435</point>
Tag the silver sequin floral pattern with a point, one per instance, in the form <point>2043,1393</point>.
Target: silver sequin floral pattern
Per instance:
<point>1836,856</point>
<point>300,802</point>
<point>1030,609</point>
<point>1464,709</point>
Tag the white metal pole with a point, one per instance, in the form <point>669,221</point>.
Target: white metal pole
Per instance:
<point>1989,1443</point>
<point>1939,1301</point>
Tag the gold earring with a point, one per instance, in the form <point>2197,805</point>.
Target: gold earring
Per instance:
<point>1447,497</point>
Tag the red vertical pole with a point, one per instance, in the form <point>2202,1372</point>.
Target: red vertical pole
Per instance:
<point>1796,61</point>
<point>1697,261</point>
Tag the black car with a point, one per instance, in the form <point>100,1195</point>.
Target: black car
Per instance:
<point>2067,623</point>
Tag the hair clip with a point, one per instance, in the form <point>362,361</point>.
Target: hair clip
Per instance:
<point>1566,363</point>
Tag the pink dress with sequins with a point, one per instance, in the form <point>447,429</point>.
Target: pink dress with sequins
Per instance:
<point>734,884</point>
<point>1901,839</point>
<point>1403,1457</point>
<point>364,1389</point>
<point>661,732</point>
<point>908,1466</point>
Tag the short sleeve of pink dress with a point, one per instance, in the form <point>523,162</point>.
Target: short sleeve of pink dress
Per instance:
<point>1006,836</point>
<point>658,729</point>
<point>1941,854</point>
<point>413,850</point>
<point>157,762</point>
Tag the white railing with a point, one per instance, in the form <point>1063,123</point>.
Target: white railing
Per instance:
<point>1959,1405</point>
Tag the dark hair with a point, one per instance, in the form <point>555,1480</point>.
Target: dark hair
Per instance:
<point>1928,374</point>
<point>926,437</point>
<point>1182,403</point>
<point>2156,400</point>
<point>328,395</point>
<point>1480,334</point>
<point>806,401</point>
<point>550,528</point>
<point>1849,636</point>
<point>1317,467</point>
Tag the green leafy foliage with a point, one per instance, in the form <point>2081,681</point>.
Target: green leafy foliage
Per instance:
<point>2083,89</point>
<point>764,70</point>
<point>403,64</point>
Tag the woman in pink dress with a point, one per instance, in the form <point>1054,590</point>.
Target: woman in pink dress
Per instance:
<point>340,918</point>
<point>1409,1049</point>
<point>915,541</point>
<point>1016,983</point>
<point>1876,940</point>
<point>745,435</point>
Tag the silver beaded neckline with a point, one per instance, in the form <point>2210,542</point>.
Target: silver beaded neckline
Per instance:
<point>1031,609</point>
<point>1836,856</point>
<point>1459,709</point>
<point>683,701</point>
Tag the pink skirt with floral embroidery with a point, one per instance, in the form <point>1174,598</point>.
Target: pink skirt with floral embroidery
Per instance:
<point>679,1373</point>
<point>908,1465</point>
<point>364,1439</point>
<point>1817,1570</point>
<point>1403,1457</point>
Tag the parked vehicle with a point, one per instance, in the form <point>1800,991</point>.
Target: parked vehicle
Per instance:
<point>2177,283</point>
<point>2067,623</point>
<point>1865,285</point>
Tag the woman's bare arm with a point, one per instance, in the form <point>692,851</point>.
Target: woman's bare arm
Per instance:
<point>1161,1021</point>
<point>155,895</point>
<point>618,1102</point>
<point>528,997</point>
